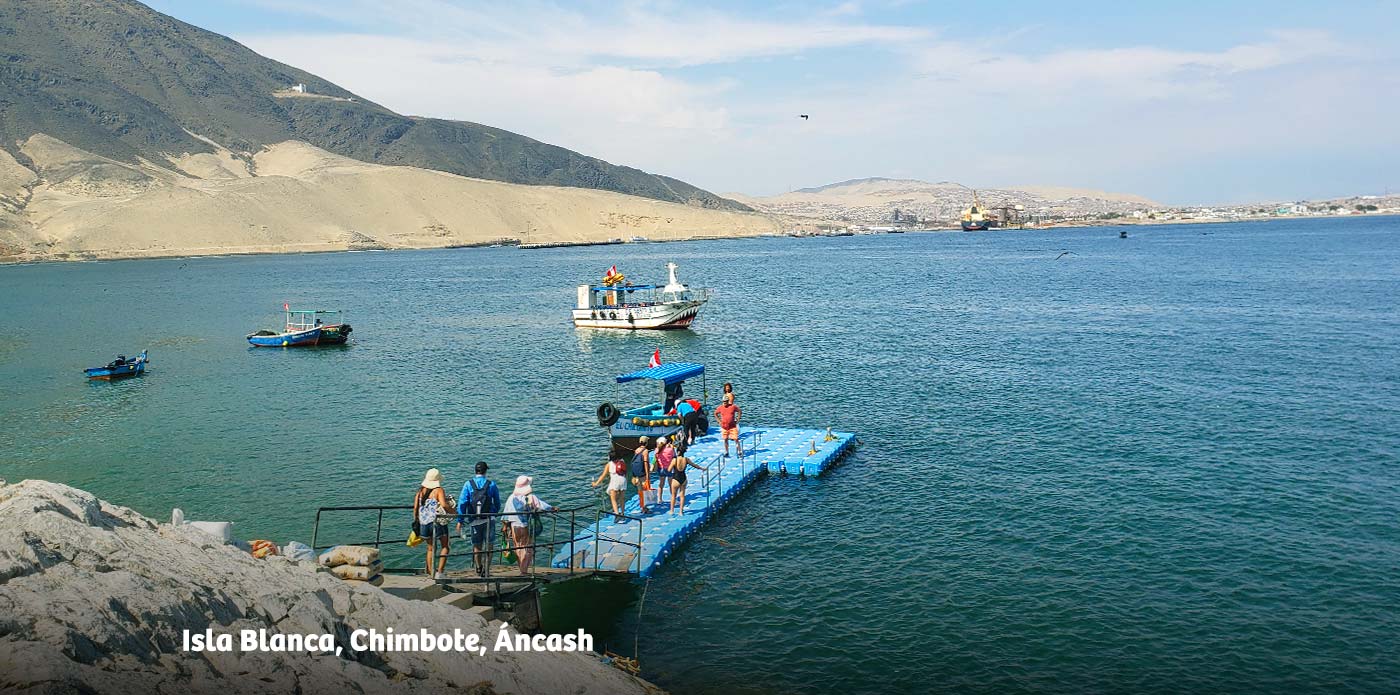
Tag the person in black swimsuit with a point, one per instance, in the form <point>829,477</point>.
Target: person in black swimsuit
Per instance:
<point>678,467</point>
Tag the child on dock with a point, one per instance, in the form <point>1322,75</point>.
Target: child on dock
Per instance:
<point>616,472</point>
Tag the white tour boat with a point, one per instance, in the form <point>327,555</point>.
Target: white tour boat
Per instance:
<point>615,304</point>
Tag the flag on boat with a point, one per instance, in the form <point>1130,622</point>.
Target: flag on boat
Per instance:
<point>612,277</point>
<point>286,306</point>
<point>655,359</point>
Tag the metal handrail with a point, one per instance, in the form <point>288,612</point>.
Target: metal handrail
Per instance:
<point>379,540</point>
<point>598,536</point>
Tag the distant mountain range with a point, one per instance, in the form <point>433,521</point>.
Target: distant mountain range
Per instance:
<point>117,79</point>
<point>875,200</point>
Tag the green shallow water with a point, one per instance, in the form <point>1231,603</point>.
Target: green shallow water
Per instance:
<point>1164,463</point>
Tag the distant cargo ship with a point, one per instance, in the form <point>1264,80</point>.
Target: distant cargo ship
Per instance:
<point>974,219</point>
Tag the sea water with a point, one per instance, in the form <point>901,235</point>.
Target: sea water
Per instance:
<point>1166,462</point>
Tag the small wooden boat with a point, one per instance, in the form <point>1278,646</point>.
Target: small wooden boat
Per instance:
<point>119,368</point>
<point>303,328</point>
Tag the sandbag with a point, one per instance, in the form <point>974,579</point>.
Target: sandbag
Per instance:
<point>262,548</point>
<point>376,580</point>
<point>358,572</point>
<point>350,555</point>
<point>301,552</point>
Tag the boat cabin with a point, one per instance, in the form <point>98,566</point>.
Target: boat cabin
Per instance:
<point>616,297</point>
<point>307,319</point>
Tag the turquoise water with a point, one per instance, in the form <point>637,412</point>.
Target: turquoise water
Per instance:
<point>1167,462</point>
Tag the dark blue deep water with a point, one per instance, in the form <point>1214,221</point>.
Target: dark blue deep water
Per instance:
<point>1163,463</point>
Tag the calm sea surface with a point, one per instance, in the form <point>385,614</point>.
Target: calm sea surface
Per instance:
<point>1167,462</point>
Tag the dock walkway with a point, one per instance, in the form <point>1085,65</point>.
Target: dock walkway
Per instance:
<point>640,543</point>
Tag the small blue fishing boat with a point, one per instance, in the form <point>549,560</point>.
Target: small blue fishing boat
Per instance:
<point>119,368</point>
<point>655,420</point>
<point>304,327</point>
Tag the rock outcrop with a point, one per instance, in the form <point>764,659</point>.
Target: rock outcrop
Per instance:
<point>95,598</point>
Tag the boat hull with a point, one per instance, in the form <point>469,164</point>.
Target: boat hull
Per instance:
<point>311,336</point>
<point>661,317</point>
<point>335,335</point>
<point>110,373</point>
<point>975,226</point>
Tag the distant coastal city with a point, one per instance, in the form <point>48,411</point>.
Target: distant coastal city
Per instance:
<point>876,205</point>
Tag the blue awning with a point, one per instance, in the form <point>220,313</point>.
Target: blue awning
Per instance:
<point>669,373</point>
<point>623,288</point>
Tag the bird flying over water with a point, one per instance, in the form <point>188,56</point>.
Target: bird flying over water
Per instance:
<point>1066,253</point>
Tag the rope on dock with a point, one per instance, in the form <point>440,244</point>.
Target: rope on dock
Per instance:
<point>636,661</point>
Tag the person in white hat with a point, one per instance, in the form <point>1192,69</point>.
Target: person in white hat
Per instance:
<point>522,519</point>
<point>430,505</point>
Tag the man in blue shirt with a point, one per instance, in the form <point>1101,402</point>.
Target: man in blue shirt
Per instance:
<point>480,498</point>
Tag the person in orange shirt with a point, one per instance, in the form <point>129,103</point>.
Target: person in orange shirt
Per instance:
<point>728,415</point>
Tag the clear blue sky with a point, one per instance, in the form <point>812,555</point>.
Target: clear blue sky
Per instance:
<point>1184,102</point>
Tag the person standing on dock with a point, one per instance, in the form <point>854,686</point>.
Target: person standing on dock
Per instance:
<point>480,499</point>
<point>640,471</point>
<point>728,415</point>
<point>678,478</point>
<point>615,471</point>
<point>428,505</point>
<point>523,522</point>
<point>665,452</point>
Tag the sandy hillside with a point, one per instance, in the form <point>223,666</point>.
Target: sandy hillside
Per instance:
<point>68,203</point>
<point>875,200</point>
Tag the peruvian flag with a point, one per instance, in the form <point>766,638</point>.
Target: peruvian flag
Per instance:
<point>655,359</point>
<point>286,306</point>
<point>612,272</point>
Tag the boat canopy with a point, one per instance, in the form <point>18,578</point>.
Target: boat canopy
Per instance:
<point>669,373</point>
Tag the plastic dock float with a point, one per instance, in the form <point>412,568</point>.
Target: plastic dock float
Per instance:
<point>641,542</point>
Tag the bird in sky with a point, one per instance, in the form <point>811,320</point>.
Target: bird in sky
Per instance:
<point>803,116</point>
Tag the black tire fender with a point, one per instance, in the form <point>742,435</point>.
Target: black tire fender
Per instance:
<point>608,414</point>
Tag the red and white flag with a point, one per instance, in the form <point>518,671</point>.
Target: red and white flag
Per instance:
<point>655,359</point>
<point>286,306</point>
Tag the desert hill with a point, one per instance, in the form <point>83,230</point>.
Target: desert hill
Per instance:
<point>292,196</point>
<point>876,199</point>
<point>120,80</point>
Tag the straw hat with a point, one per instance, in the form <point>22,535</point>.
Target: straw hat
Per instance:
<point>522,486</point>
<point>433,479</point>
<point>644,439</point>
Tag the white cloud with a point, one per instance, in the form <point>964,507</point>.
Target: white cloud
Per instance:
<point>1135,72</point>
<point>701,95</point>
<point>634,34</point>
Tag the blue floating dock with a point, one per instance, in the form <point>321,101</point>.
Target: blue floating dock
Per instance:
<point>640,545</point>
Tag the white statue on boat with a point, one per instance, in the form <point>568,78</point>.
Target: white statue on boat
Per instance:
<point>619,304</point>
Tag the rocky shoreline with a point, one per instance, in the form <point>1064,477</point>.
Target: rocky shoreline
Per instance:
<point>96,598</point>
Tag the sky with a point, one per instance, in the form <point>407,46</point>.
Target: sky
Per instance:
<point>1183,102</point>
